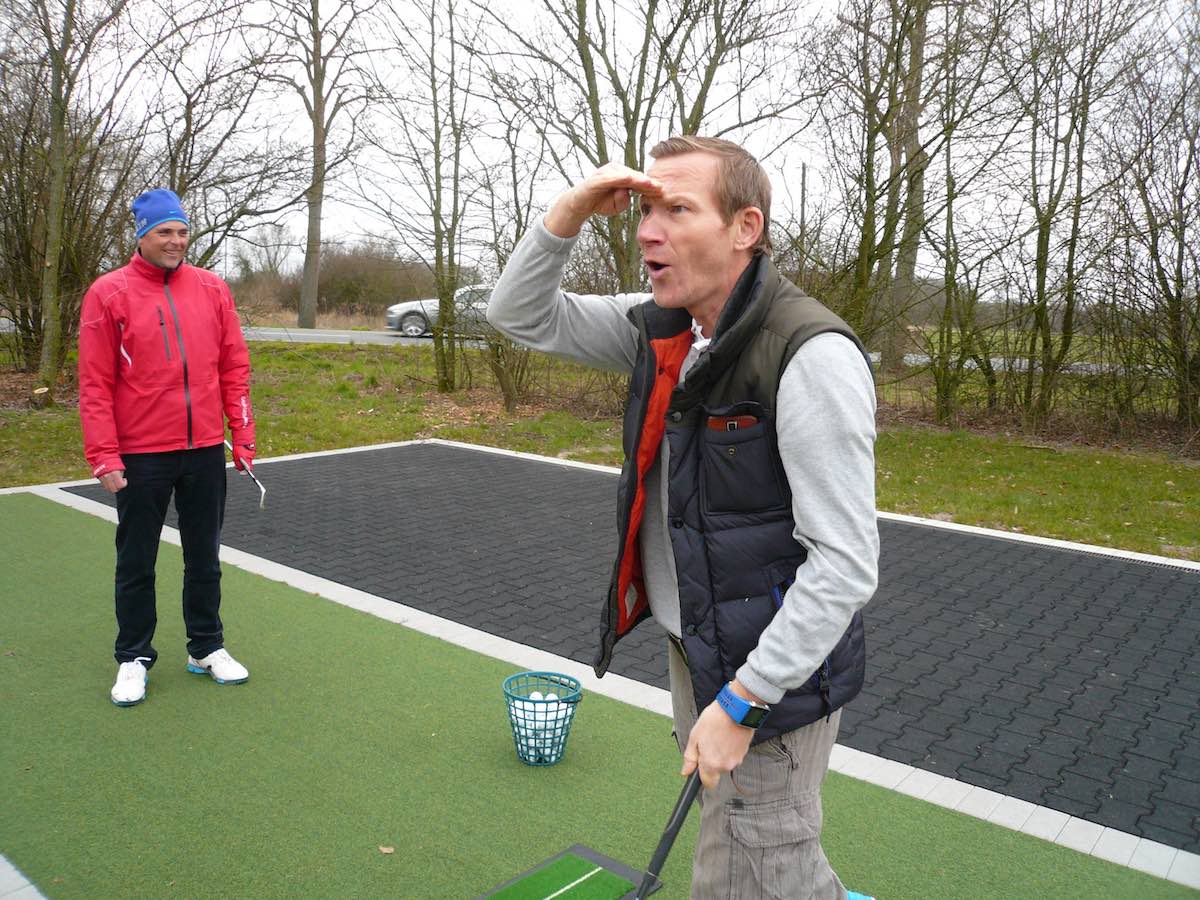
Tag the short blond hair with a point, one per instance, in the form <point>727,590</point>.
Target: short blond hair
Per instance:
<point>741,181</point>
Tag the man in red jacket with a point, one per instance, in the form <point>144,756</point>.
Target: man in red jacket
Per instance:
<point>162,365</point>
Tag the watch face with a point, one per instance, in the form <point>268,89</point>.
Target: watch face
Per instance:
<point>755,716</point>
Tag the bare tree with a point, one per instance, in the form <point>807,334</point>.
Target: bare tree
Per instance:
<point>90,52</point>
<point>509,190</point>
<point>967,88</point>
<point>607,79</point>
<point>1068,59</point>
<point>421,132</point>
<point>319,60</point>
<point>867,68</point>
<point>1156,146</point>
<point>104,160</point>
<point>222,149</point>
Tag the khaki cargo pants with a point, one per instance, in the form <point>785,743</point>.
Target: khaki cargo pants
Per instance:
<point>760,831</point>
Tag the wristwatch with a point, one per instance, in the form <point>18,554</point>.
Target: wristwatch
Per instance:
<point>744,712</point>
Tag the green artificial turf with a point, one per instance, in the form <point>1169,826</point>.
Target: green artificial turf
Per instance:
<point>569,878</point>
<point>354,737</point>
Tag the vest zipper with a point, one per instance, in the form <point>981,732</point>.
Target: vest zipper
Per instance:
<point>826,679</point>
<point>162,325</point>
<point>187,393</point>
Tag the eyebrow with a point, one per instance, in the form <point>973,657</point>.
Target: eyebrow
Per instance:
<point>671,198</point>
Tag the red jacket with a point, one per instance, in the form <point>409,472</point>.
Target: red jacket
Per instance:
<point>162,364</point>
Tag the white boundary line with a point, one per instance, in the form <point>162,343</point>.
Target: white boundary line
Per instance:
<point>1093,549</point>
<point>14,885</point>
<point>1115,846</point>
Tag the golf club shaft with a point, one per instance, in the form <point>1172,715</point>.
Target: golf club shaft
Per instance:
<point>250,472</point>
<point>690,789</point>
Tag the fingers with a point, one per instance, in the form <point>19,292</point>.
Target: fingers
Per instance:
<point>689,765</point>
<point>615,180</point>
<point>113,481</point>
<point>693,757</point>
<point>710,778</point>
<point>607,191</point>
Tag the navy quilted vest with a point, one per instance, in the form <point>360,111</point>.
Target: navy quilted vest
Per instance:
<point>729,505</point>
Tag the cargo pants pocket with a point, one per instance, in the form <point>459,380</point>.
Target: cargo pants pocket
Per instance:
<point>774,849</point>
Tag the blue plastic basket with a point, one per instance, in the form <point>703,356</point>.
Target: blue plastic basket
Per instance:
<point>540,726</point>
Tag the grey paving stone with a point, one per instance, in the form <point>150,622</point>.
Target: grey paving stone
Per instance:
<point>1174,816</point>
<point>1020,668</point>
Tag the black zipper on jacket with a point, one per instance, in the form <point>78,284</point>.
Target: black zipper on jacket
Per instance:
<point>187,393</point>
<point>162,326</point>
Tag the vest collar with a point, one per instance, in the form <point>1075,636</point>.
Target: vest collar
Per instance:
<point>739,310</point>
<point>740,320</point>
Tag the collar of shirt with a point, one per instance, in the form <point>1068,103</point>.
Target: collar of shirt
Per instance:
<point>699,345</point>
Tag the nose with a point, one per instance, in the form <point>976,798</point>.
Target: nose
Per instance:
<point>648,231</point>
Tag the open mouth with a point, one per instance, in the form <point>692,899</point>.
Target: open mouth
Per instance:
<point>655,267</point>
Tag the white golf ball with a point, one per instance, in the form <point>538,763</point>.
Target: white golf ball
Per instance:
<point>536,695</point>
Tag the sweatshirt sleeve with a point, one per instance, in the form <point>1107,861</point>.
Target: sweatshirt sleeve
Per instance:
<point>529,306</point>
<point>234,370</point>
<point>826,429</point>
<point>99,347</point>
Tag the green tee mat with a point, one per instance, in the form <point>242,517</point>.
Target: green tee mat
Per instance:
<point>577,873</point>
<point>355,733</point>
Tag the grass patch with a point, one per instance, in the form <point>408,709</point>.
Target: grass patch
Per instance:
<point>311,398</point>
<point>37,446</point>
<point>289,785</point>
<point>1133,501</point>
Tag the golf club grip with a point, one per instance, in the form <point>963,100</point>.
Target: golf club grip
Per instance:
<point>686,797</point>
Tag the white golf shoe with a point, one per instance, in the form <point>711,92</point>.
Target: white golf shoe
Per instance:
<point>130,687</point>
<point>223,668</point>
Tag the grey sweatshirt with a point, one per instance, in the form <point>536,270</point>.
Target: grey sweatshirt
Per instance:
<point>825,421</point>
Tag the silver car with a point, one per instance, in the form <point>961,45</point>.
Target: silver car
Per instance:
<point>415,318</point>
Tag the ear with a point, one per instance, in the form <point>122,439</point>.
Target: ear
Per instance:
<point>748,227</point>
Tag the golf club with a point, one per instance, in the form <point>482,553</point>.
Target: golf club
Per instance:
<point>262,491</point>
<point>691,788</point>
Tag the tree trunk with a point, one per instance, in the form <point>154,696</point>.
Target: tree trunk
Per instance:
<point>916,160</point>
<point>52,351</point>
<point>310,280</point>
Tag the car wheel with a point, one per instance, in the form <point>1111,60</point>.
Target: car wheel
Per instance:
<point>413,325</point>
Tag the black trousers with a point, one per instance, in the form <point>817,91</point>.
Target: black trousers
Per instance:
<point>197,480</point>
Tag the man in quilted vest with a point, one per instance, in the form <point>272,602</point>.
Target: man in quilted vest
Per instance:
<point>746,506</point>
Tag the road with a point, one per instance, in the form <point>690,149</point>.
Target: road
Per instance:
<point>329,336</point>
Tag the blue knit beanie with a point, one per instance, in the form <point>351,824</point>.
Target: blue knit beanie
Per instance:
<point>155,207</point>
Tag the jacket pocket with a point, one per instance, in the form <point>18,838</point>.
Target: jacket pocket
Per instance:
<point>739,624</point>
<point>162,326</point>
<point>740,470</point>
<point>774,849</point>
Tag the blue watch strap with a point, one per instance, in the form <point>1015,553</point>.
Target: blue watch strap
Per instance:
<point>736,707</point>
<point>743,712</point>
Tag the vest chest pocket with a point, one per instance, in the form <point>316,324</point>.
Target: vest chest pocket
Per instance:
<point>740,468</point>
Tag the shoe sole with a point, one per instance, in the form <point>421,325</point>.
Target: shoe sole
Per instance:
<point>129,702</point>
<point>196,670</point>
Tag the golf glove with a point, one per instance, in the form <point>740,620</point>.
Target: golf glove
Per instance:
<point>243,456</point>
